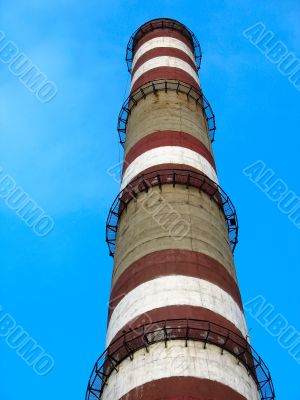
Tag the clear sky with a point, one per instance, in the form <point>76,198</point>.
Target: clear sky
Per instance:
<point>56,287</point>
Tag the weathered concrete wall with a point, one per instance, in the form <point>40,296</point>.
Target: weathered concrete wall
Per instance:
<point>166,111</point>
<point>140,234</point>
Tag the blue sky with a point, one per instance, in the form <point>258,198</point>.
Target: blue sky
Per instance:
<point>57,286</point>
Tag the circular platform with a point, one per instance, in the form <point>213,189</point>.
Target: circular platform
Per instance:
<point>165,85</point>
<point>188,330</point>
<point>172,177</point>
<point>162,23</point>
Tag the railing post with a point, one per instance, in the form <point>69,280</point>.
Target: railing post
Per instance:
<point>187,333</point>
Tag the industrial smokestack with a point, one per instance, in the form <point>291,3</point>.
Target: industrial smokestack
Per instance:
<point>176,326</point>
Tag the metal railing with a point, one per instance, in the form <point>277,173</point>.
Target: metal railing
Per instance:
<point>162,23</point>
<point>165,85</point>
<point>144,336</point>
<point>173,177</point>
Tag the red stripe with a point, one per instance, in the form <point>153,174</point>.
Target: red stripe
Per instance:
<point>177,312</point>
<point>183,388</point>
<point>163,33</point>
<point>164,51</point>
<point>167,138</point>
<point>173,262</point>
<point>165,73</point>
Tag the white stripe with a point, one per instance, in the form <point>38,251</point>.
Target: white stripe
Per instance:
<point>162,42</point>
<point>164,61</point>
<point>178,360</point>
<point>174,290</point>
<point>168,155</point>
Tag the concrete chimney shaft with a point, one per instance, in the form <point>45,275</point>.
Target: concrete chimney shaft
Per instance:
<point>176,326</point>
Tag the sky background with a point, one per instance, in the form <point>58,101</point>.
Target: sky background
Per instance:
<point>57,287</point>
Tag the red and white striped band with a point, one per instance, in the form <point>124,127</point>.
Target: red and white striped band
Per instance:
<point>162,33</point>
<point>174,290</point>
<point>163,54</point>
<point>167,138</point>
<point>173,262</point>
<point>164,155</point>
